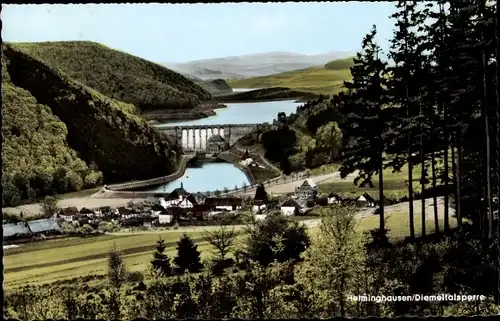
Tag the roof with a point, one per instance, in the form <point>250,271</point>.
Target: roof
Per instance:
<point>368,197</point>
<point>309,182</point>
<point>123,210</point>
<point>199,197</point>
<point>192,199</point>
<point>180,191</point>
<point>85,210</point>
<point>290,202</point>
<point>13,229</point>
<point>224,201</point>
<point>45,225</point>
<point>216,138</point>
<point>67,211</point>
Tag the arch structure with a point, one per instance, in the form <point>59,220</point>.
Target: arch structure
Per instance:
<point>197,138</point>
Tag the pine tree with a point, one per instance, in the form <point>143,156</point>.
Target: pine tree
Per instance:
<point>161,261</point>
<point>406,86</point>
<point>365,123</point>
<point>188,256</point>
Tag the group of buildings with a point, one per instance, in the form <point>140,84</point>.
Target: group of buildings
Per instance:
<point>179,205</point>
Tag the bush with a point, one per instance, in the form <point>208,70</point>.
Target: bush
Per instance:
<point>218,266</point>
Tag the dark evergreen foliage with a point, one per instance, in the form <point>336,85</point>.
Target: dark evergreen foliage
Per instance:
<point>188,256</point>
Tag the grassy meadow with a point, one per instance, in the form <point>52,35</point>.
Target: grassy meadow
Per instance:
<point>328,79</point>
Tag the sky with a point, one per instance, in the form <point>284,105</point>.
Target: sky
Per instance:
<point>186,32</point>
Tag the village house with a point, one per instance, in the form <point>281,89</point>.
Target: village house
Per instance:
<point>334,198</point>
<point>292,206</point>
<point>224,204</point>
<point>44,226</point>
<point>176,196</point>
<point>258,206</point>
<point>16,231</point>
<point>365,200</point>
<point>188,202</point>
<point>200,198</point>
<point>306,190</point>
<point>67,214</point>
<point>216,144</point>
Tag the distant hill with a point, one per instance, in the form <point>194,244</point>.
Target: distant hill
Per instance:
<point>215,87</point>
<point>60,135</point>
<point>255,65</point>
<point>326,79</point>
<point>118,75</point>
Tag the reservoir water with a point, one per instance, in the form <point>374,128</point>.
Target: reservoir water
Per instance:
<point>208,177</point>
<point>219,175</point>
<point>243,113</point>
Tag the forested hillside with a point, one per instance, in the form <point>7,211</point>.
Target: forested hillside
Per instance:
<point>61,136</point>
<point>118,75</point>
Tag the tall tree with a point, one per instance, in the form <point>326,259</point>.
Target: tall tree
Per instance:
<point>161,261</point>
<point>188,256</point>
<point>406,83</point>
<point>366,118</point>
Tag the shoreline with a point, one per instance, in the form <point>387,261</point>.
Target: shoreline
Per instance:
<point>125,190</point>
<point>207,108</point>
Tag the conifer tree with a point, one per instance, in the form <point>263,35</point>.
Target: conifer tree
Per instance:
<point>188,256</point>
<point>406,85</point>
<point>365,123</point>
<point>161,261</point>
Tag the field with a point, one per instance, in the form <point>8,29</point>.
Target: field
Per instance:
<point>72,257</point>
<point>395,184</point>
<point>318,80</point>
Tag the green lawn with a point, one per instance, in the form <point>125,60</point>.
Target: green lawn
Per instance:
<point>398,224</point>
<point>318,80</point>
<point>69,258</point>
<point>395,184</point>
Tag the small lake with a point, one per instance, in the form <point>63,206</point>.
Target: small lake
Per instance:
<point>217,175</point>
<point>208,177</point>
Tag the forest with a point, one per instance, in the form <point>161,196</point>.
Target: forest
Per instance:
<point>61,136</point>
<point>118,75</point>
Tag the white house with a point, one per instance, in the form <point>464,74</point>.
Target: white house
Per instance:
<point>186,203</point>
<point>164,218</point>
<point>256,208</point>
<point>260,217</point>
<point>334,198</point>
<point>365,200</point>
<point>289,206</point>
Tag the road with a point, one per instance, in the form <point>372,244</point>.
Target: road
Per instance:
<point>285,188</point>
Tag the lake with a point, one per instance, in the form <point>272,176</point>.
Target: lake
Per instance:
<point>208,177</point>
<point>242,113</point>
<point>217,175</point>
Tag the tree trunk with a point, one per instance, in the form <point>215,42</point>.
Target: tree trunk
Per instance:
<point>422,174</point>
<point>410,189</point>
<point>446,171</point>
<point>434,197</point>
<point>489,211</point>
<point>458,180</point>
<point>454,170</point>
<point>381,194</point>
